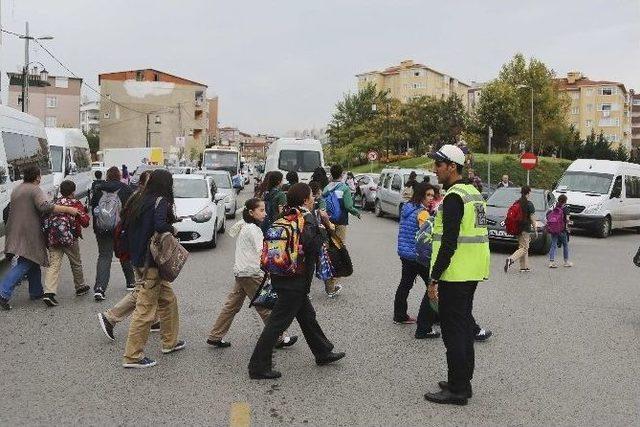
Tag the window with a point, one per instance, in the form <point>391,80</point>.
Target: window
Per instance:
<point>106,115</point>
<point>299,160</point>
<point>396,184</point>
<point>81,158</point>
<point>605,107</point>
<point>190,188</point>
<point>575,110</point>
<point>419,85</point>
<point>62,82</point>
<point>50,121</point>
<point>632,187</point>
<point>139,76</point>
<point>417,73</point>
<point>575,95</point>
<point>23,151</point>
<point>616,191</point>
<point>608,122</point>
<point>156,78</point>
<point>56,158</point>
<point>607,91</point>
<point>636,102</point>
<point>387,179</point>
<point>52,102</point>
<point>586,182</point>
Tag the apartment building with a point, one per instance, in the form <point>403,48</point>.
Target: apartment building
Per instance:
<point>635,119</point>
<point>90,116</point>
<point>53,99</point>
<point>213,120</point>
<point>152,108</point>
<point>599,106</point>
<point>410,80</point>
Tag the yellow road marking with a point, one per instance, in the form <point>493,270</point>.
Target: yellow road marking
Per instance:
<point>240,415</point>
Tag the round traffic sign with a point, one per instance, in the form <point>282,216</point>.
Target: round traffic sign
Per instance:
<point>372,156</point>
<point>528,161</point>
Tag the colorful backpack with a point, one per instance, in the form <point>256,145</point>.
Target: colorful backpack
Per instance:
<point>555,220</point>
<point>424,242</point>
<point>59,230</point>
<point>513,222</point>
<point>282,253</point>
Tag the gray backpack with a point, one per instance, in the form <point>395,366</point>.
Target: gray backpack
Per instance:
<point>107,214</point>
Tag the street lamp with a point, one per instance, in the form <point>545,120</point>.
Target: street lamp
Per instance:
<point>25,70</point>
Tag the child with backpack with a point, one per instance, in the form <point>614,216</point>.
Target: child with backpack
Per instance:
<point>247,272</point>
<point>520,222</point>
<point>558,228</point>
<point>63,231</point>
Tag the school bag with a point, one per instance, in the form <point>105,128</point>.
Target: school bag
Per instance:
<point>334,208</point>
<point>59,230</point>
<point>339,256</point>
<point>424,243</point>
<point>107,214</point>
<point>167,252</point>
<point>513,222</point>
<point>282,253</point>
<point>555,220</point>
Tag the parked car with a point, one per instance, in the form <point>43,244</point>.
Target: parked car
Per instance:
<point>222,180</point>
<point>366,190</point>
<point>201,209</point>
<point>388,199</point>
<point>497,207</point>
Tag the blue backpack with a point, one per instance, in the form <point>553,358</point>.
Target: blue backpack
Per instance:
<point>334,207</point>
<point>424,242</point>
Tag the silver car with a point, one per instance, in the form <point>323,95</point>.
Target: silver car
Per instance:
<point>366,190</point>
<point>223,182</point>
<point>389,192</point>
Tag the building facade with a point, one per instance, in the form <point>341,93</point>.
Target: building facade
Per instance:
<point>474,94</point>
<point>410,80</point>
<point>598,106</point>
<point>152,108</point>
<point>55,101</point>
<point>90,117</point>
<point>635,119</point>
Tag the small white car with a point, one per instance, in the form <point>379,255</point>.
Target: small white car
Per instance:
<point>222,180</point>
<point>201,209</point>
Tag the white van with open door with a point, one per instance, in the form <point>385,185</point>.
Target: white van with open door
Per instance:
<point>70,158</point>
<point>292,154</point>
<point>23,142</point>
<point>602,195</point>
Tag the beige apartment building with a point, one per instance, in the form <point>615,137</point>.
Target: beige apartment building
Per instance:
<point>599,106</point>
<point>55,99</point>
<point>410,80</point>
<point>152,108</point>
<point>635,119</point>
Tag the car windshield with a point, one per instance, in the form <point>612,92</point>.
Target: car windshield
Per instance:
<point>419,178</point>
<point>56,158</point>
<point>586,182</point>
<point>504,197</point>
<point>222,181</point>
<point>227,161</point>
<point>299,160</point>
<point>190,188</point>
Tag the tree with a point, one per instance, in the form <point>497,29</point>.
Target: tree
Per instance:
<point>93,138</point>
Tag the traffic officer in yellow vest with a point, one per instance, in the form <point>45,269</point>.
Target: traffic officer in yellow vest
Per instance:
<point>460,259</point>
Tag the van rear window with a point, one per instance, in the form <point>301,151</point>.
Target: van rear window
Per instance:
<point>298,160</point>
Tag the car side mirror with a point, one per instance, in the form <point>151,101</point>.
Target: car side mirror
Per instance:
<point>219,197</point>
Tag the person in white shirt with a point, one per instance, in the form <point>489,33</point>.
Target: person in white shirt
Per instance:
<point>247,272</point>
<point>505,182</point>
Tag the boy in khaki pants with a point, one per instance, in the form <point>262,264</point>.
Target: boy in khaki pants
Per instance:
<point>63,231</point>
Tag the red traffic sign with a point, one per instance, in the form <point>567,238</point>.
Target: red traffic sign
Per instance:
<point>528,161</point>
<point>372,156</point>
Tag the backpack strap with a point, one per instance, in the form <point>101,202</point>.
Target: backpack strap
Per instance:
<point>264,280</point>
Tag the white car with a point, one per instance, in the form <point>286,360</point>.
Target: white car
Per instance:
<point>200,208</point>
<point>222,180</point>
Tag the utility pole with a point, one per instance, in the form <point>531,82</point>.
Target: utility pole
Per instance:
<point>388,128</point>
<point>25,70</point>
<point>148,140</point>
<point>489,162</point>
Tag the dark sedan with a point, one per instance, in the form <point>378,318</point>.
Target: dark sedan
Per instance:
<point>498,205</point>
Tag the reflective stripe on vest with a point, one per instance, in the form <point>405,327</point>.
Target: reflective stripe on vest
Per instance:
<point>470,261</point>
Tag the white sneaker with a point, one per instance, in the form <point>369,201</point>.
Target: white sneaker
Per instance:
<point>568,264</point>
<point>335,293</point>
<point>552,264</point>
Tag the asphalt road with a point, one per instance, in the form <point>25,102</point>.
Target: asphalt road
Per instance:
<point>565,350</point>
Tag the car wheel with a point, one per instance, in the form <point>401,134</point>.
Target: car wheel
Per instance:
<point>605,228</point>
<point>214,239</point>
<point>378,209</point>
<point>222,228</point>
<point>233,213</point>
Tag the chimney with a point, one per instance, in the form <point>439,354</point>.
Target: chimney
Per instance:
<point>406,63</point>
<point>574,76</point>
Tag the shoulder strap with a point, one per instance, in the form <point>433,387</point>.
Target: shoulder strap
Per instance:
<point>158,201</point>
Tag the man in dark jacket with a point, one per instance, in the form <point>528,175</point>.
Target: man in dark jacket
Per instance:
<point>105,237</point>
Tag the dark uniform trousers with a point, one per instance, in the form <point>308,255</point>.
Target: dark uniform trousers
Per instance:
<point>289,305</point>
<point>455,301</point>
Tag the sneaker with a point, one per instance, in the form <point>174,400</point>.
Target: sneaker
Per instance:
<point>106,326</point>
<point>82,290</point>
<point>335,292</point>
<point>568,264</point>
<point>155,327</point>
<point>98,295</point>
<point>525,270</point>
<point>219,343</point>
<point>145,362</point>
<point>287,341</point>
<point>131,286</point>
<point>507,263</point>
<point>50,300</point>
<point>424,335</point>
<point>408,321</point>
<point>483,335</point>
<point>553,265</point>
<point>4,303</point>
<point>179,346</point>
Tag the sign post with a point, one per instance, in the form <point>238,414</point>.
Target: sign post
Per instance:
<point>528,161</point>
<point>372,156</point>
<point>489,162</point>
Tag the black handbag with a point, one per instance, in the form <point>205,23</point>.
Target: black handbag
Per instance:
<point>636,258</point>
<point>265,296</point>
<point>339,256</point>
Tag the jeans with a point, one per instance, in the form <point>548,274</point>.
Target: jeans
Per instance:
<point>457,326</point>
<point>103,268</point>
<point>426,315</point>
<point>15,275</point>
<point>563,240</point>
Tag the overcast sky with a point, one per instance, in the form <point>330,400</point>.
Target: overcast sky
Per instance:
<point>279,65</point>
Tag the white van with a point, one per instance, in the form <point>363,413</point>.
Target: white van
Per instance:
<point>602,194</point>
<point>292,154</point>
<point>23,142</point>
<point>70,158</point>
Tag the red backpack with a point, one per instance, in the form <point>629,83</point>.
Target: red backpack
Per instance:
<point>513,222</point>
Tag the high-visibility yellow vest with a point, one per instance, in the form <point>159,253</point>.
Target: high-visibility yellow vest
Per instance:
<point>470,261</point>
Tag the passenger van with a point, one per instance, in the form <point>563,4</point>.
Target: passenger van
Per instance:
<point>292,154</point>
<point>70,158</point>
<point>23,142</point>
<point>602,195</point>
<point>390,185</point>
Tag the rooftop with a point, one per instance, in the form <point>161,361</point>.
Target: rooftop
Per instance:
<point>575,80</point>
<point>147,72</point>
<point>407,64</point>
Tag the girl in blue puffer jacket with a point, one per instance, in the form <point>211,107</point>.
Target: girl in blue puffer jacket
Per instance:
<point>414,214</point>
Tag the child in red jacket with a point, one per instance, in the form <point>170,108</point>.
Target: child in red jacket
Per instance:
<point>62,233</point>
